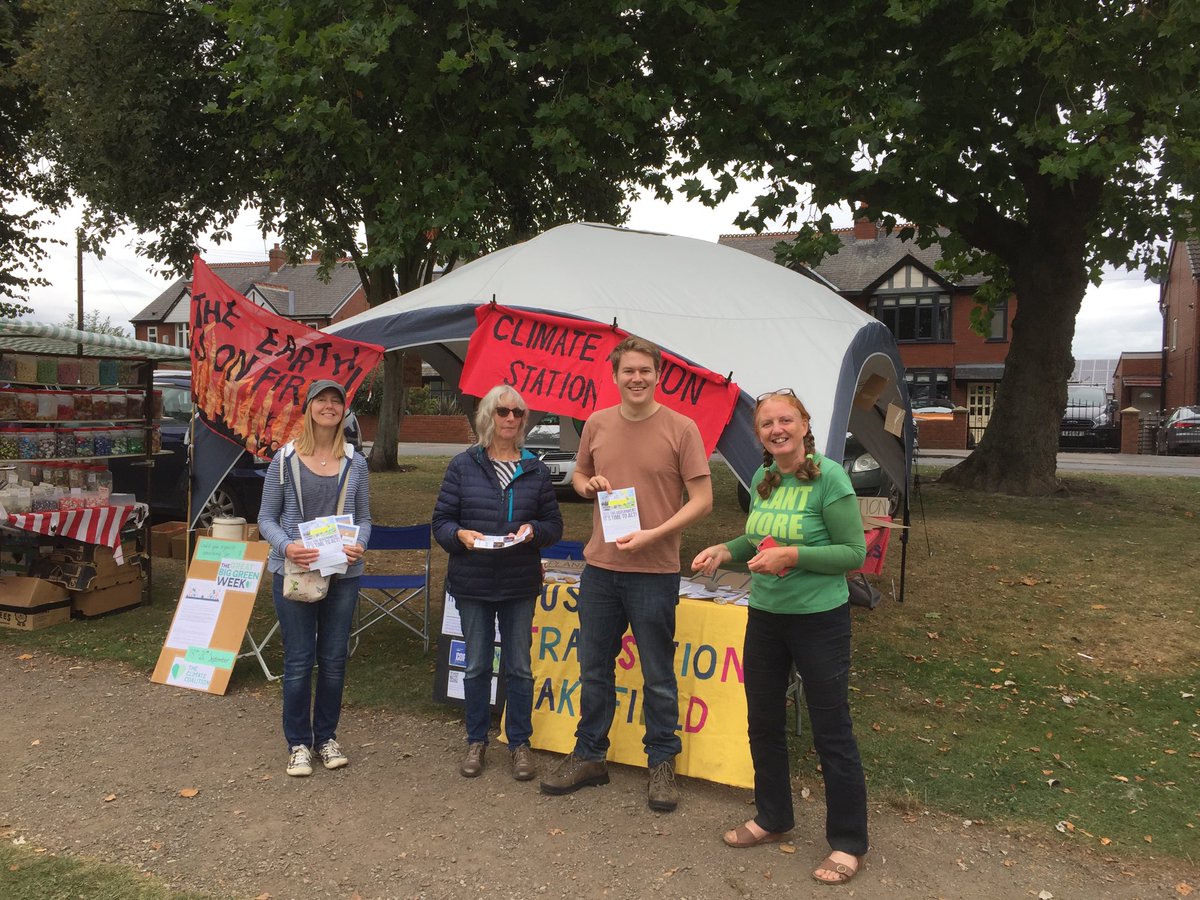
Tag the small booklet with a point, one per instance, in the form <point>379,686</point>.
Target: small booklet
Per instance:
<point>618,513</point>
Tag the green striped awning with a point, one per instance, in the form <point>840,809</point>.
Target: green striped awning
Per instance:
<point>36,337</point>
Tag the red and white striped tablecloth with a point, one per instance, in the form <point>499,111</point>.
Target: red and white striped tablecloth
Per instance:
<point>98,525</point>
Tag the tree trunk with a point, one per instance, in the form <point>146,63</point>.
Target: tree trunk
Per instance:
<point>384,456</point>
<point>1017,454</point>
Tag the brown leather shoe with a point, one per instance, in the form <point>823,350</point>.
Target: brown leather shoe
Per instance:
<point>472,763</point>
<point>661,790</point>
<point>524,766</point>
<point>573,773</point>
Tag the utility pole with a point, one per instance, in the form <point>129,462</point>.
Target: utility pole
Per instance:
<point>79,278</point>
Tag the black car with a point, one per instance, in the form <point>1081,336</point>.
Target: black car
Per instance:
<point>1089,422</point>
<point>240,494</point>
<point>1181,432</point>
<point>866,475</point>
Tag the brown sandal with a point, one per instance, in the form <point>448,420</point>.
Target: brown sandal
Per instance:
<point>743,837</point>
<point>843,871</point>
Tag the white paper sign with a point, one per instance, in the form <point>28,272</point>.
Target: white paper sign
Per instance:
<point>196,615</point>
<point>190,675</point>
<point>618,513</point>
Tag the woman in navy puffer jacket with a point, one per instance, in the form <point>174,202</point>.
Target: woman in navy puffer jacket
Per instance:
<point>497,489</point>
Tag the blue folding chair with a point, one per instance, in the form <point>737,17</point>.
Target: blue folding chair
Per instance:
<point>401,597</point>
<point>563,550</point>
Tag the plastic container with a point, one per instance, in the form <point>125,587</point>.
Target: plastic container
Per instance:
<point>102,441</point>
<point>120,442</point>
<point>127,372</point>
<point>68,371</point>
<point>26,369</point>
<point>64,402</point>
<point>83,405</point>
<point>155,441</point>
<point>108,371</point>
<point>8,406</point>
<point>76,476</point>
<point>156,404</point>
<point>9,442</point>
<point>47,369</point>
<point>100,408</point>
<point>8,367</point>
<point>27,443</point>
<point>27,406</point>
<point>135,441</point>
<point>59,476</point>
<point>47,443</point>
<point>84,442</point>
<point>117,408</point>
<point>89,372</point>
<point>47,406</point>
<point>135,405</point>
<point>64,443</point>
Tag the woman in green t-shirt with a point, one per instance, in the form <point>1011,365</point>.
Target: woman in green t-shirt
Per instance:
<point>803,535</point>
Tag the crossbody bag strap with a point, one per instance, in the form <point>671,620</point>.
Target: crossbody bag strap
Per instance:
<point>294,462</point>
<point>343,485</point>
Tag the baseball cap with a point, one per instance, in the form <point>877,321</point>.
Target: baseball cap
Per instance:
<point>323,385</point>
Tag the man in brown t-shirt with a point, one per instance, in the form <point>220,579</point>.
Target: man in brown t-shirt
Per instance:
<point>634,581</point>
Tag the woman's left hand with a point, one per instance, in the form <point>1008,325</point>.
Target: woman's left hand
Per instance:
<point>524,533</point>
<point>772,561</point>
<point>354,552</point>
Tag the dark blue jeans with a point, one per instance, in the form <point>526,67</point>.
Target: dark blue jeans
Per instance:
<point>516,632</point>
<point>314,634</point>
<point>610,602</point>
<point>819,646</point>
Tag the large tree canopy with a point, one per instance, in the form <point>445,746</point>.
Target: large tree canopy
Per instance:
<point>1049,138</point>
<point>400,135</point>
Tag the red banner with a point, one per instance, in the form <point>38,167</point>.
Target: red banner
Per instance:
<point>251,368</point>
<point>561,366</point>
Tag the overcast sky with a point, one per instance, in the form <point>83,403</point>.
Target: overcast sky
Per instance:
<point>1121,314</point>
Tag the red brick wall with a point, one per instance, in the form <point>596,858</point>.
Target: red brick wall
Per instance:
<point>949,433</point>
<point>1181,292</point>
<point>435,430</point>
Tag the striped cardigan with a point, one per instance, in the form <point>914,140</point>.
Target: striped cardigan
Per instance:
<point>279,517</point>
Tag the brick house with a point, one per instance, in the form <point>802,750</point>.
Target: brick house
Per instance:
<point>1179,303</point>
<point>897,282</point>
<point>291,291</point>
<point>1137,381</point>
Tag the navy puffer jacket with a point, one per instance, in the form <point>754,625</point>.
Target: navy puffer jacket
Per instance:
<point>471,498</point>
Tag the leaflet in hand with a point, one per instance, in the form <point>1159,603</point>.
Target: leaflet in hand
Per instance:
<point>325,534</point>
<point>618,513</point>
<point>499,541</point>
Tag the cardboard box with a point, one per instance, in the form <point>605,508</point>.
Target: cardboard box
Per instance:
<point>107,600</point>
<point>869,392</point>
<point>83,575</point>
<point>25,620</point>
<point>873,507</point>
<point>31,603</point>
<point>161,535</point>
<point>180,544</point>
<point>893,422</point>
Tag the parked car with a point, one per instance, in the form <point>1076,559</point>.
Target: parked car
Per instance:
<point>866,475</point>
<point>1181,432</point>
<point>240,494</point>
<point>1089,422</point>
<point>934,411</point>
<point>543,439</point>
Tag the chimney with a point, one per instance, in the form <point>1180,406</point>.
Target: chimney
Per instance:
<point>276,259</point>
<point>316,257</point>
<point>864,228</point>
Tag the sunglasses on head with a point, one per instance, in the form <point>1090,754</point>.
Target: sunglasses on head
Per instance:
<point>780,392</point>
<point>505,411</point>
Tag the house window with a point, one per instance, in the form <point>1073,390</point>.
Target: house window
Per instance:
<point>927,384</point>
<point>914,317</point>
<point>181,335</point>
<point>999,330</point>
<point>152,333</point>
<point>316,326</point>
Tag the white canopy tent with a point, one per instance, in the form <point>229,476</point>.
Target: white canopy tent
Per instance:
<point>717,307</point>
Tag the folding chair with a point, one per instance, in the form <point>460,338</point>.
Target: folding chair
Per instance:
<point>563,550</point>
<point>404,598</point>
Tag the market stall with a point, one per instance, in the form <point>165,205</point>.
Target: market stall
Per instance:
<point>71,402</point>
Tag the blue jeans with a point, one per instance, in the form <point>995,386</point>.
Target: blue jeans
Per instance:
<point>516,632</point>
<point>818,645</point>
<point>609,602</point>
<point>314,634</point>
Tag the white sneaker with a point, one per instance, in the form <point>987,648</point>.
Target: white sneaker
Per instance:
<point>331,755</point>
<point>300,762</point>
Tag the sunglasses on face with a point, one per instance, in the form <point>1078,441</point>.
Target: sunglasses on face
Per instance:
<point>780,392</point>
<point>503,412</point>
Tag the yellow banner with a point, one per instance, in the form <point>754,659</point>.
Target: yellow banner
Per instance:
<point>708,667</point>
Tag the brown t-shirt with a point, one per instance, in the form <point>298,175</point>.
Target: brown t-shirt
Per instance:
<point>655,456</point>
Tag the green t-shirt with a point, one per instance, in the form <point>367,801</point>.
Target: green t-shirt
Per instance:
<point>821,519</point>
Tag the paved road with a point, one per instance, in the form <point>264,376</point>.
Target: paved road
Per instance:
<point>1117,463</point>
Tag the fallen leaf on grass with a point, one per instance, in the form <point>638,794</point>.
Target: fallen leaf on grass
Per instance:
<point>556,831</point>
<point>1028,581</point>
<point>35,743</point>
<point>25,656</point>
<point>14,868</point>
<point>1104,842</point>
<point>1149,838</point>
<point>156,845</point>
<point>263,896</point>
<point>1121,778</point>
<point>110,798</point>
<point>787,848</point>
<point>1099,606</point>
<point>1183,889</point>
<point>188,792</point>
<point>805,793</point>
<point>1045,895</point>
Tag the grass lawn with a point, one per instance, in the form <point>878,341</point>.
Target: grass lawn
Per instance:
<point>1043,670</point>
